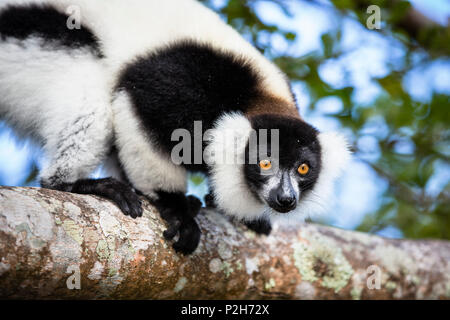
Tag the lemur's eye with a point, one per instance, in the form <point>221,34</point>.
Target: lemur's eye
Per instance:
<point>303,169</point>
<point>265,164</point>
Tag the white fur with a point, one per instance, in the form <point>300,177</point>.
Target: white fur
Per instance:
<point>230,134</point>
<point>227,180</point>
<point>335,156</point>
<point>129,28</point>
<point>274,182</point>
<point>61,100</point>
<point>147,168</point>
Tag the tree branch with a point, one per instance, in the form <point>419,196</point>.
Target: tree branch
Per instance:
<point>47,236</point>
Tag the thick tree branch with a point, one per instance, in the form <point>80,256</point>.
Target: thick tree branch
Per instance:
<point>46,236</point>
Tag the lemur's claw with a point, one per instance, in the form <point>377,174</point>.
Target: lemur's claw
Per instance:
<point>136,210</point>
<point>122,194</point>
<point>133,205</point>
<point>127,200</point>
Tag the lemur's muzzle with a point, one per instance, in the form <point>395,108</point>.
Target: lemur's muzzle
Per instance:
<point>283,198</point>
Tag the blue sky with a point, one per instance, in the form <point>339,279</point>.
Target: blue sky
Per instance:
<point>369,55</point>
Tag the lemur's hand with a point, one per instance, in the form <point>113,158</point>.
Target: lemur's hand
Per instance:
<point>261,226</point>
<point>182,223</point>
<point>122,194</point>
<point>189,237</point>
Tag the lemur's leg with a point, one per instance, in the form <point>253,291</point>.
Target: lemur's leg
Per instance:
<point>75,152</point>
<point>63,98</point>
<point>155,175</point>
<point>179,212</point>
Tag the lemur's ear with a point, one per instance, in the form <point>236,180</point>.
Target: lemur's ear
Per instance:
<point>335,153</point>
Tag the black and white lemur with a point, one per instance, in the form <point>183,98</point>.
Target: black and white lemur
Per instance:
<point>118,84</point>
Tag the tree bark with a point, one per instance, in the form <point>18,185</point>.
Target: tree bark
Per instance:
<point>50,239</point>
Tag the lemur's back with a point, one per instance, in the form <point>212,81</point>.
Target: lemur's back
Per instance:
<point>53,78</point>
<point>135,27</point>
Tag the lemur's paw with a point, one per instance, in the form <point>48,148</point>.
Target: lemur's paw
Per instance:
<point>172,229</point>
<point>129,203</point>
<point>123,195</point>
<point>185,226</point>
<point>179,211</point>
<point>189,234</point>
<point>210,201</point>
<point>261,226</point>
<point>126,199</point>
<point>189,237</point>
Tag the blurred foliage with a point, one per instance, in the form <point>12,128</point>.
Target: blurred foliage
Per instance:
<point>423,127</point>
<point>197,179</point>
<point>404,22</point>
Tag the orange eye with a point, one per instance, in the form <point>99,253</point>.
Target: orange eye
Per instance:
<point>265,164</point>
<point>303,169</point>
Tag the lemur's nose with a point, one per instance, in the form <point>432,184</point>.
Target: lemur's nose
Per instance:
<point>285,201</point>
<point>283,198</point>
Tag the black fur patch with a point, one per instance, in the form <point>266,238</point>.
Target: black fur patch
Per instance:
<point>261,226</point>
<point>184,82</point>
<point>179,211</point>
<point>45,22</point>
<point>297,144</point>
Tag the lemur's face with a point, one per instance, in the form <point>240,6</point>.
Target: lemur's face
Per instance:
<point>280,170</point>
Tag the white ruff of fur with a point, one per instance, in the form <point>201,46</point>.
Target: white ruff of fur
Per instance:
<point>229,137</point>
<point>335,156</point>
<point>230,189</point>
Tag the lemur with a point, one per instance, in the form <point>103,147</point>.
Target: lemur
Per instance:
<point>110,81</point>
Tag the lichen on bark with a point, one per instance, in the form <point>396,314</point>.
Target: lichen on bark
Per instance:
<point>45,233</point>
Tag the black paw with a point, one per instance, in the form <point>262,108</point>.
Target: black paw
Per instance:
<point>120,193</point>
<point>128,201</point>
<point>189,234</point>
<point>173,222</point>
<point>261,226</point>
<point>189,237</point>
<point>179,212</point>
